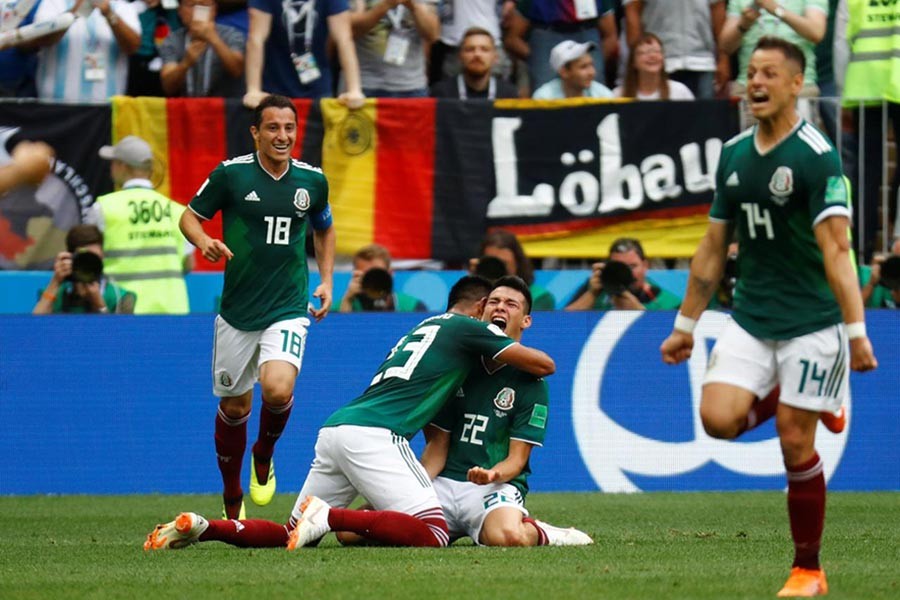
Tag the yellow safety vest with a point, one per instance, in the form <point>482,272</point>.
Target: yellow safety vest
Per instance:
<point>143,248</point>
<point>873,30</point>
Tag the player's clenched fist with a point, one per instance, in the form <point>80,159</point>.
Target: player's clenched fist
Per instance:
<point>677,347</point>
<point>862,357</point>
<point>214,249</point>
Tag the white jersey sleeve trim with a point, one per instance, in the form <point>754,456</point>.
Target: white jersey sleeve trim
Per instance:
<point>198,214</point>
<point>837,210</point>
<point>532,442</point>
<point>502,350</point>
<point>436,426</point>
<point>718,220</point>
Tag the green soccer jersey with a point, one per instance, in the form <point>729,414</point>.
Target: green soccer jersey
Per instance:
<point>775,200</point>
<point>264,225</point>
<point>422,371</point>
<point>492,408</point>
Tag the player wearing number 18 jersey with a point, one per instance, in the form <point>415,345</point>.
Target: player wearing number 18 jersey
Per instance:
<point>266,199</point>
<point>780,187</point>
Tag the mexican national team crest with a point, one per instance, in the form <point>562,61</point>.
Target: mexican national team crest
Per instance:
<point>505,398</point>
<point>301,199</point>
<point>225,379</point>
<point>781,185</point>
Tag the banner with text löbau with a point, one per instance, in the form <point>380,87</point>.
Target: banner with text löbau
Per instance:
<point>124,405</point>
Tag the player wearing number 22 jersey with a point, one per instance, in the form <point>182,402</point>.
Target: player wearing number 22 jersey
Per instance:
<point>362,449</point>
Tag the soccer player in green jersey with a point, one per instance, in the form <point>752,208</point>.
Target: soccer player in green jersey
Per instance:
<point>266,199</point>
<point>478,447</point>
<point>362,448</point>
<point>798,318</point>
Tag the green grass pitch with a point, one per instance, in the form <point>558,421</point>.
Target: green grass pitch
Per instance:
<point>648,546</point>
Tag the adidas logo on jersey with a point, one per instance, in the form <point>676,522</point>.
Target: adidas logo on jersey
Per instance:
<point>732,180</point>
<point>252,197</point>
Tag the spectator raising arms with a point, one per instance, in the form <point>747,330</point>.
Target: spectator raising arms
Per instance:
<point>645,76</point>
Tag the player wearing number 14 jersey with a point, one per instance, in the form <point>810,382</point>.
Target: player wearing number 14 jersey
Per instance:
<point>266,199</point>
<point>798,314</point>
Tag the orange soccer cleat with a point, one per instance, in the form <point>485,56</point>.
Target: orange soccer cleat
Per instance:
<point>804,583</point>
<point>834,422</point>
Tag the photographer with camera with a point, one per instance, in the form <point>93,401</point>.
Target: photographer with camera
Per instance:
<point>78,284</point>
<point>881,280</point>
<point>621,283</point>
<point>371,287</point>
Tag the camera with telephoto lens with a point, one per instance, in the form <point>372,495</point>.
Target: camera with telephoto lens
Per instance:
<point>377,286</point>
<point>491,268</point>
<point>890,273</point>
<point>616,277</point>
<point>87,267</point>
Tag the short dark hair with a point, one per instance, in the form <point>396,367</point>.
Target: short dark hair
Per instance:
<point>791,51</point>
<point>518,284</point>
<point>622,245</point>
<point>470,288</point>
<point>83,235</point>
<point>500,238</point>
<point>475,31</point>
<point>272,101</point>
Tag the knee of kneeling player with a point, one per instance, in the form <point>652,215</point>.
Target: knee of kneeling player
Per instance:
<point>505,536</point>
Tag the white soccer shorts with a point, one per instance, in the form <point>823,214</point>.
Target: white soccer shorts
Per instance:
<point>466,504</point>
<point>813,369</point>
<point>237,355</point>
<point>372,462</point>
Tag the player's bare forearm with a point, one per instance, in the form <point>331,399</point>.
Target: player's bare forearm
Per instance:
<point>510,467</point>
<point>192,228</point>
<point>530,360</point>
<point>707,267</point>
<point>831,235</point>
<point>434,455</point>
<point>325,242</point>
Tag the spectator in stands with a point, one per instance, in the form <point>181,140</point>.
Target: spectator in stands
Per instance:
<point>505,246</point>
<point>144,65</point>
<point>78,284</point>
<point>478,57</point>
<point>829,103</point>
<point>372,285</point>
<point>689,36</point>
<point>457,17</point>
<point>29,166</point>
<point>144,247</point>
<point>539,26</point>
<point>622,283</point>
<point>881,280</point>
<point>19,61</point>
<point>645,75</point>
<point>89,60</point>
<point>204,58</point>
<point>287,50</point>
<point>575,66</point>
<point>801,22</point>
<point>391,40</point>
<point>234,14</point>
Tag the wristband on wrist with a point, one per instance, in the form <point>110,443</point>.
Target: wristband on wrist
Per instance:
<point>48,296</point>
<point>684,324</point>
<point>856,330</point>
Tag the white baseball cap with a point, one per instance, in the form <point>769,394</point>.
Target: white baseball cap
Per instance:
<point>567,51</point>
<point>131,150</point>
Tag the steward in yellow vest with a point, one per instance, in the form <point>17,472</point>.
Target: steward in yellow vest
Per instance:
<point>143,247</point>
<point>873,68</point>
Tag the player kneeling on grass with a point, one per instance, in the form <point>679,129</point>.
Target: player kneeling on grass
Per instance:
<point>362,448</point>
<point>798,318</point>
<point>498,411</point>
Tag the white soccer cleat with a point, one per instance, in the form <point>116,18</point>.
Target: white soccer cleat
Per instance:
<point>180,533</point>
<point>568,536</point>
<point>312,526</point>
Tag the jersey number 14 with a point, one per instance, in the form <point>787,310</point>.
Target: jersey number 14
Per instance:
<point>758,218</point>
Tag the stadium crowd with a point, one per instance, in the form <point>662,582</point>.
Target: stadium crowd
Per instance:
<point>90,50</point>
